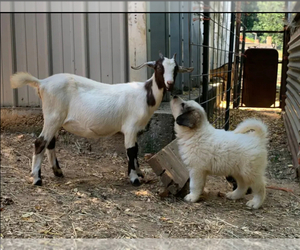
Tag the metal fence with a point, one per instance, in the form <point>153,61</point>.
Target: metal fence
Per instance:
<point>216,53</point>
<point>217,56</point>
<point>211,43</point>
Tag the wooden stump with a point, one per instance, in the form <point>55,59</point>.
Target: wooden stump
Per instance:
<point>168,165</point>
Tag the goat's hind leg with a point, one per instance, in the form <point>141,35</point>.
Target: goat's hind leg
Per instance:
<point>37,159</point>
<point>53,159</point>
<point>50,128</point>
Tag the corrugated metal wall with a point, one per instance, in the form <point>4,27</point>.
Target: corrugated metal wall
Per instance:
<point>182,33</point>
<point>169,33</point>
<point>63,6</point>
<point>90,44</point>
<point>95,45</point>
<point>292,101</point>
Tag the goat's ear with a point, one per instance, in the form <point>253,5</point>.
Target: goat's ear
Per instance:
<point>185,70</point>
<point>150,64</point>
<point>188,119</point>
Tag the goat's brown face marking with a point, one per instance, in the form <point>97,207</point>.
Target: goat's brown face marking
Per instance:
<point>40,145</point>
<point>159,73</point>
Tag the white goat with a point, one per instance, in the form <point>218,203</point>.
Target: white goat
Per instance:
<point>92,109</point>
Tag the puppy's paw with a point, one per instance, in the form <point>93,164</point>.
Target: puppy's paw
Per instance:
<point>253,204</point>
<point>230,195</point>
<point>191,198</point>
<point>234,195</point>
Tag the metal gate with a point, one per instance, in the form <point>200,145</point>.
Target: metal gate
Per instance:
<point>260,77</point>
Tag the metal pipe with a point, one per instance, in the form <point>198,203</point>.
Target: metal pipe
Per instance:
<point>237,59</point>
<point>241,67</point>
<point>205,59</point>
<point>190,53</point>
<point>229,69</point>
<point>14,61</point>
<point>286,39</point>
<point>265,31</point>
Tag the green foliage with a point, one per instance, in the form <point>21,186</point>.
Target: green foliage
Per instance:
<point>250,18</point>
<point>270,21</point>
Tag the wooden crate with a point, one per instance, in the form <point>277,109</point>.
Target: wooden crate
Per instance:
<point>168,165</point>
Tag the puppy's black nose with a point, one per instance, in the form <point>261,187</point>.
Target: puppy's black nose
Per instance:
<point>175,97</point>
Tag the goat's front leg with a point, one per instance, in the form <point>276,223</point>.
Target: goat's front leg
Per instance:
<point>132,155</point>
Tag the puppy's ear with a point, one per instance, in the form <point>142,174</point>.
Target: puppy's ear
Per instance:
<point>189,119</point>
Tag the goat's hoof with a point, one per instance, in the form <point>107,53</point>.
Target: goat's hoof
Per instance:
<point>136,183</point>
<point>38,182</point>
<point>58,172</point>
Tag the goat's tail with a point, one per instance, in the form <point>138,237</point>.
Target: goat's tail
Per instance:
<point>22,78</point>
<point>260,129</point>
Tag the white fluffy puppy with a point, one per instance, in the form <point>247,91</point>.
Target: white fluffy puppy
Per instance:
<point>241,153</point>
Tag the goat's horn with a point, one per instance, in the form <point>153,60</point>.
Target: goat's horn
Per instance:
<point>161,55</point>
<point>149,64</point>
<point>174,56</point>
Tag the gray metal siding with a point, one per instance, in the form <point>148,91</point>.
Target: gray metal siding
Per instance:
<point>43,53</point>
<point>20,55</point>
<point>80,50</point>
<point>90,45</point>
<point>292,101</point>
<point>6,60</point>
<point>106,46</point>
<point>183,33</point>
<point>94,42</point>
<point>31,53</point>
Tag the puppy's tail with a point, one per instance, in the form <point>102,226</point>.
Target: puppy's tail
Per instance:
<point>260,129</point>
<point>21,78</point>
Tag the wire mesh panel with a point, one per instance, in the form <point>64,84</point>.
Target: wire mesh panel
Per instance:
<point>216,48</point>
<point>211,43</point>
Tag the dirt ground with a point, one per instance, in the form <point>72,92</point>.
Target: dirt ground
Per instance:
<point>96,200</point>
